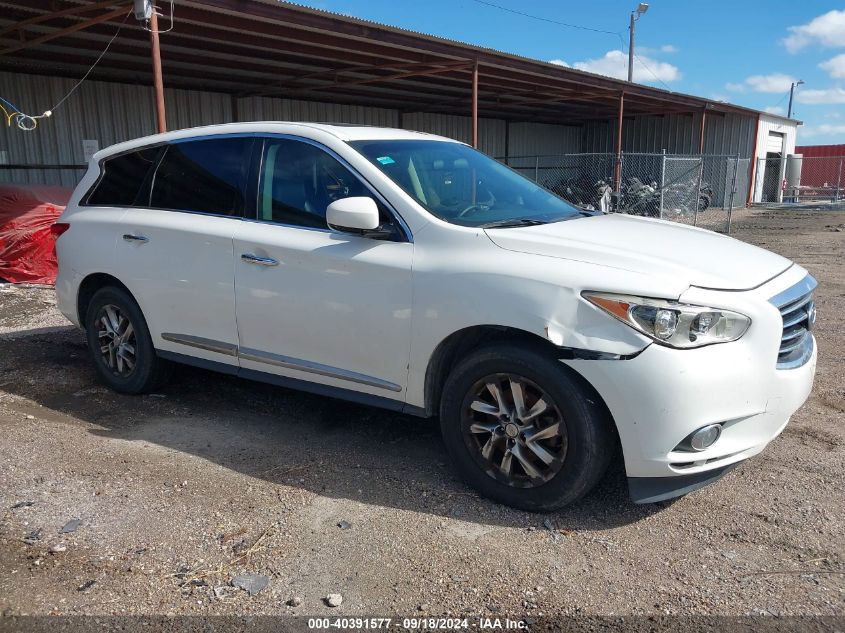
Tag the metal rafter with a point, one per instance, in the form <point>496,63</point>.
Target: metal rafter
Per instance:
<point>271,48</point>
<point>46,17</point>
<point>60,32</point>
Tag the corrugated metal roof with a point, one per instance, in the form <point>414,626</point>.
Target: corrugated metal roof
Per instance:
<point>268,48</point>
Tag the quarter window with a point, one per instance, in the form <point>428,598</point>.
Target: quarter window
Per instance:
<point>123,182</point>
<point>205,176</point>
<point>298,181</point>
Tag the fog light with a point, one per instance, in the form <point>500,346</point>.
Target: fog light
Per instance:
<point>705,437</point>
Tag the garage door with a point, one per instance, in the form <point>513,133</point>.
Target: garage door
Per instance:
<point>774,143</point>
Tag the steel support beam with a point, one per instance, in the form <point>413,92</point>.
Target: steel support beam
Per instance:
<point>475,104</point>
<point>617,177</point>
<point>427,72</point>
<point>57,14</point>
<point>752,180</point>
<point>71,29</point>
<point>158,81</point>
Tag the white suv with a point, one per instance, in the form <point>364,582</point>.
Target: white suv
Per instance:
<point>414,273</point>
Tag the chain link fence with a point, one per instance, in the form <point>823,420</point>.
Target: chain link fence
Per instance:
<point>799,180</point>
<point>58,175</point>
<point>700,190</point>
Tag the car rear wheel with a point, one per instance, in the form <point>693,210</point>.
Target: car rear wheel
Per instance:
<point>120,343</point>
<point>522,430</point>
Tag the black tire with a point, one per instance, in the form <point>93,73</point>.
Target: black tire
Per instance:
<point>587,440</point>
<point>148,371</point>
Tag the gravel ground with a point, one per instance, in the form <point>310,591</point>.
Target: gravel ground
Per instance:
<point>217,482</point>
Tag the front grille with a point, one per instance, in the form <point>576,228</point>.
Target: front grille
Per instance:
<point>797,309</point>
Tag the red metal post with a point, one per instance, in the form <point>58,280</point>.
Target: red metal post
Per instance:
<point>701,132</point>
<point>475,104</point>
<point>158,82</point>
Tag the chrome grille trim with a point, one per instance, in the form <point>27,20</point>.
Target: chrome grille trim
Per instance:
<point>794,305</point>
<point>788,336</point>
<point>795,319</point>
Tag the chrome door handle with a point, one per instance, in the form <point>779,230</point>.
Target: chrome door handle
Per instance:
<point>261,261</point>
<point>135,238</point>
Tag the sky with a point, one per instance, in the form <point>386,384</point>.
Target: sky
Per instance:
<point>744,52</point>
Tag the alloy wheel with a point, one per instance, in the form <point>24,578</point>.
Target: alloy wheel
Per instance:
<point>514,430</point>
<point>116,336</point>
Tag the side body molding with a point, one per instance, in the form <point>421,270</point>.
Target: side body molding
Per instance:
<point>278,360</point>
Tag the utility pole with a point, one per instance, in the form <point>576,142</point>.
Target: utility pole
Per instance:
<point>635,15</point>
<point>791,95</point>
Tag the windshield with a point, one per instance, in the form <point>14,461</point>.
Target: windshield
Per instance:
<point>463,186</point>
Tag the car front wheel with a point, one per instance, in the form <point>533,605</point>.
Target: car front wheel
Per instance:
<point>522,430</point>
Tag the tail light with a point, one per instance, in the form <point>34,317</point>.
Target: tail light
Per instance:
<point>58,229</point>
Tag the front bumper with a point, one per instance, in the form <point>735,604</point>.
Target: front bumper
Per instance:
<point>662,395</point>
<point>654,489</point>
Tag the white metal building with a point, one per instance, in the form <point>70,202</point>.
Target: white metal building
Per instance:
<point>776,140</point>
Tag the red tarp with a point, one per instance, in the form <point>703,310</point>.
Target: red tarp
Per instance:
<point>27,248</point>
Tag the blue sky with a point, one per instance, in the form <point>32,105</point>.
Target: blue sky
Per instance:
<point>741,51</point>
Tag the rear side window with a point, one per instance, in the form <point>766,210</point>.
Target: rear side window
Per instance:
<point>123,179</point>
<point>207,176</point>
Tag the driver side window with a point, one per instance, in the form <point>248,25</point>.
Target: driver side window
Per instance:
<point>298,181</point>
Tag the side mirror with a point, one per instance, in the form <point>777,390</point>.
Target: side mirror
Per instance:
<point>353,214</point>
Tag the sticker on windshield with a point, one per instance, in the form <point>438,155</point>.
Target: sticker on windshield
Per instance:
<point>385,160</point>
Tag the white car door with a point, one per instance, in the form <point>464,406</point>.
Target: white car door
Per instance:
<point>318,305</point>
<point>175,255</point>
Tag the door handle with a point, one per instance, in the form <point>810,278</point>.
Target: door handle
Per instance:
<point>135,238</point>
<point>261,261</point>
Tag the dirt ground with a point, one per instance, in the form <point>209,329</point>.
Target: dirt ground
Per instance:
<point>179,492</point>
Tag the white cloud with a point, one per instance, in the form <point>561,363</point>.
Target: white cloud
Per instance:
<point>827,30</point>
<point>720,97</point>
<point>825,129</point>
<point>835,66</point>
<point>559,62</point>
<point>819,97</point>
<point>775,82</point>
<point>668,49</point>
<point>775,110</point>
<point>615,64</point>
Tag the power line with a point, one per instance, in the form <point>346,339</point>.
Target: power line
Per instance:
<point>653,74</point>
<point>785,95</point>
<point>575,26</point>
<point>96,61</point>
<point>549,20</point>
<point>28,122</point>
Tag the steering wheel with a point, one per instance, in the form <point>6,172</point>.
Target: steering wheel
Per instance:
<point>480,205</point>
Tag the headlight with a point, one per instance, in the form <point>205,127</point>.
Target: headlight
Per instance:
<point>670,323</point>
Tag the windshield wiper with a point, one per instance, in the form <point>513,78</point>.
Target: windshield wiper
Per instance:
<point>504,224</point>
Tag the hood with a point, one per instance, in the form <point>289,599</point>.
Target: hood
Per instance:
<point>650,247</point>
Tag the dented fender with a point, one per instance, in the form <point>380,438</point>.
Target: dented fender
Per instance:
<point>532,293</point>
